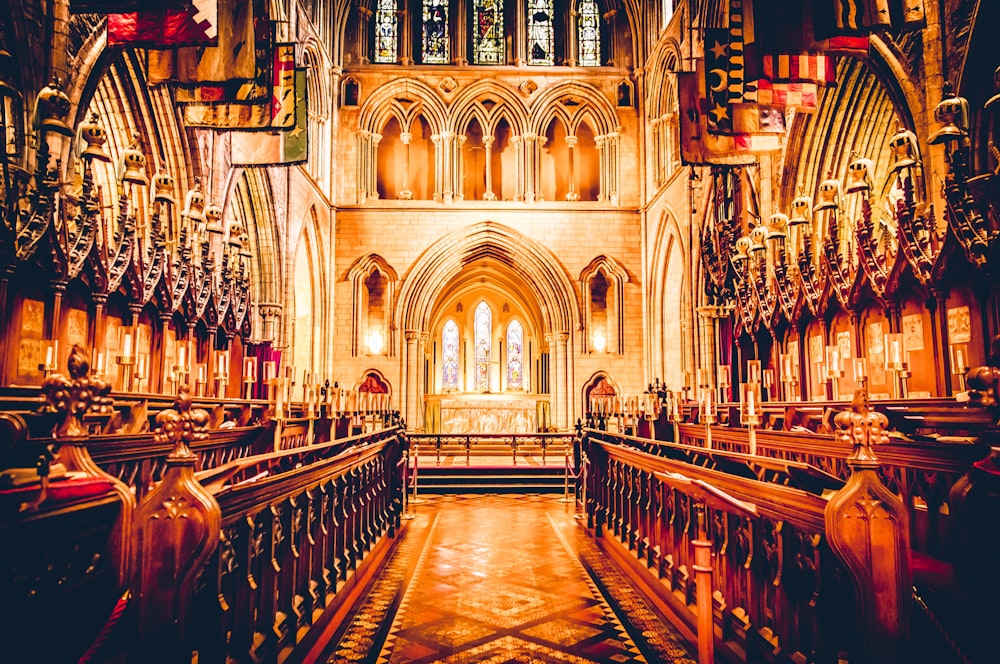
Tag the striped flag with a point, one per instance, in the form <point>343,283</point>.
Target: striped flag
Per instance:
<point>275,110</point>
<point>277,148</point>
<point>801,68</point>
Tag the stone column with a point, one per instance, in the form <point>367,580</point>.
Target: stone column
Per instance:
<point>488,148</point>
<point>572,194</point>
<point>553,381</point>
<point>530,161</point>
<point>411,368</point>
<point>439,156</point>
<point>519,186</point>
<point>405,194</point>
<point>364,33</point>
<point>572,45</point>
<point>560,379</point>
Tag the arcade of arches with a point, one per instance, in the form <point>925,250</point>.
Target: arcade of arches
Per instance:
<point>511,217</point>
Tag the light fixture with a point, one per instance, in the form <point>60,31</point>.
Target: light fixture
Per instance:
<point>599,342</point>
<point>375,342</point>
<point>952,112</point>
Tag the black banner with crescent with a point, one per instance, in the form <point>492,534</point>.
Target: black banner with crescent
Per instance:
<point>717,55</point>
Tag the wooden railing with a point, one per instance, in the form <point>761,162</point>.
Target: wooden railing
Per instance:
<point>291,542</point>
<point>468,442</point>
<point>794,576</point>
<point>239,543</point>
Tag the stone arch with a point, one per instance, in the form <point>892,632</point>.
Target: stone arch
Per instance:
<point>557,100</point>
<point>404,99</point>
<point>358,274</point>
<point>507,104</point>
<point>521,255</point>
<point>599,384</point>
<point>617,276</point>
<point>667,288</point>
<point>512,256</point>
<point>309,314</point>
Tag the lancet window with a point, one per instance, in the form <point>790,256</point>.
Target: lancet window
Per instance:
<point>488,32</point>
<point>483,330</point>
<point>435,32</point>
<point>515,351</point>
<point>588,25</point>
<point>541,35</point>
<point>449,356</point>
<point>386,32</point>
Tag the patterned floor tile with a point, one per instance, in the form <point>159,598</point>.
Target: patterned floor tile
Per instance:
<point>502,579</point>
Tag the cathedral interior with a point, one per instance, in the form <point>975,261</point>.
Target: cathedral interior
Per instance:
<point>499,331</point>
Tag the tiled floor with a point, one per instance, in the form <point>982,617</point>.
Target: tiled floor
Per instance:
<point>494,578</point>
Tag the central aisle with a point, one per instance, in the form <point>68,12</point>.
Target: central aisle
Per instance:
<point>503,579</point>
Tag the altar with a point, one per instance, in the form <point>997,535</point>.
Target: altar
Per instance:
<point>485,413</point>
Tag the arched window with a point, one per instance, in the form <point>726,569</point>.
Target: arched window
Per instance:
<point>541,36</point>
<point>515,344</point>
<point>449,356</point>
<point>588,25</point>
<point>386,32</point>
<point>484,335</point>
<point>487,32</point>
<point>435,23</point>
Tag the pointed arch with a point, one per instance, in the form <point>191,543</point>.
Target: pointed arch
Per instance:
<point>615,276</point>
<point>668,303</point>
<point>530,261</point>
<point>364,324</point>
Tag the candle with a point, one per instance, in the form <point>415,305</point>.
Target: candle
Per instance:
<point>180,356</point>
<point>127,346</point>
<point>201,373</point>
<point>859,369</point>
<point>50,357</point>
<point>99,368</point>
<point>250,369</point>
<point>896,355</point>
<point>751,405</point>
<point>959,361</point>
<point>140,370</point>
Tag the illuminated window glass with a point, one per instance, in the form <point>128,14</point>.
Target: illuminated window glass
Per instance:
<point>541,40</point>
<point>588,17</point>
<point>487,32</point>
<point>435,47</point>
<point>515,339</point>
<point>484,330</point>
<point>449,356</point>
<point>386,31</point>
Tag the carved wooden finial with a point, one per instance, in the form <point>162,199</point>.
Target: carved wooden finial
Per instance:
<point>862,428</point>
<point>75,396</point>
<point>182,425</point>
<point>984,382</point>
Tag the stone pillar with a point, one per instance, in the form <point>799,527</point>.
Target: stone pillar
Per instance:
<point>607,145</point>
<point>519,186</point>
<point>560,382</point>
<point>553,381</point>
<point>572,194</point>
<point>458,167</point>
<point>364,33</point>
<point>405,194</point>
<point>488,147</point>
<point>418,422</point>
<point>572,46</point>
<point>529,158</point>
<point>439,155</point>
<point>270,313</point>
<point>410,374</point>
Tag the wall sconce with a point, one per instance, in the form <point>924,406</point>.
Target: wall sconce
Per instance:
<point>375,342</point>
<point>599,343</point>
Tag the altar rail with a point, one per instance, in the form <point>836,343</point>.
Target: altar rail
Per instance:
<point>539,443</point>
<point>782,592</point>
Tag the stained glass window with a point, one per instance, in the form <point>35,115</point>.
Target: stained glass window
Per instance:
<point>588,25</point>
<point>487,32</point>
<point>449,356</point>
<point>484,333</point>
<point>386,32</point>
<point>515,339</point>
<point>541,39</point>
<point>435,47</point>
